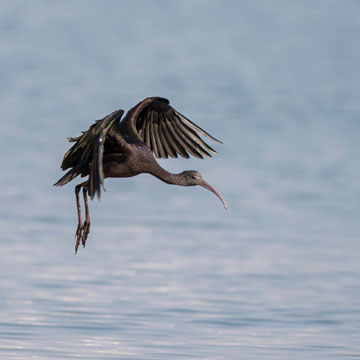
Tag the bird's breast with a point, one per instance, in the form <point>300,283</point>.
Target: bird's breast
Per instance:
<point>135,162</point>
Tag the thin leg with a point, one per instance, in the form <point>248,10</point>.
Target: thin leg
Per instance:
<point>78,233</point>
<point>86,225</point>
<point>82,230</point>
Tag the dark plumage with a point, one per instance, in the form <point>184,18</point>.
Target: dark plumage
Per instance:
<point>110,148</point>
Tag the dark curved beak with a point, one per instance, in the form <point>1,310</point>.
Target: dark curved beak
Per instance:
<point>206,185</point>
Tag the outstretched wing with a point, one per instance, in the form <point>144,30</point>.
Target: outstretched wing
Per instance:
<point>87,153</point>
<point>168,133</point>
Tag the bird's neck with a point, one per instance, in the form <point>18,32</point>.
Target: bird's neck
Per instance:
<point>168,177</point>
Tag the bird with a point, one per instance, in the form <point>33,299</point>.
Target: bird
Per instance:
<point>115,148</point>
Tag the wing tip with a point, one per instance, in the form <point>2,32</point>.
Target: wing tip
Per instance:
<point>216,140</point>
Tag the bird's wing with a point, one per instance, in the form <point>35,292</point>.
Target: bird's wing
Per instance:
<point>167,132</point>
<point>89,149</point>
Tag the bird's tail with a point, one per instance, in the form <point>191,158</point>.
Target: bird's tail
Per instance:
<point>72,174</point>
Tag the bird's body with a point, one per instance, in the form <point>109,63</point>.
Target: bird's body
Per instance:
<point>110,148</point>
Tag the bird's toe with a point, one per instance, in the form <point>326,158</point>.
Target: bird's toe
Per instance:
<point>85,232</point>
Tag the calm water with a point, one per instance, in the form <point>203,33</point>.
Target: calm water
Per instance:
<point>167,272</point>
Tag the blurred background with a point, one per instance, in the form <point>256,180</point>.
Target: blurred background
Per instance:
<point>167,272</point>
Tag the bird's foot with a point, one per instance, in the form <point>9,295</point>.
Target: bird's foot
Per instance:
<point>81,234</point>
<point>85,232</point>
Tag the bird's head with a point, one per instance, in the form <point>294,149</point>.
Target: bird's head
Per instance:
<point>193,177</point>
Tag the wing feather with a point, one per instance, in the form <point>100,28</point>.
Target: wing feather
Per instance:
<point>189,144</point>
<point>87,153</point>
<point>168,133</point>
<point>166,138</point>
<point>192,137</point>
<point>159,144</point>
<point>153,146</point>
<point>177,142</point>
<point>146,134</point>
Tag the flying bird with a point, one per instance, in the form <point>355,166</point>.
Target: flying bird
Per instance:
<point>126,148</point>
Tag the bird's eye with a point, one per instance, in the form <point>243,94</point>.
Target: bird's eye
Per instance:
<point>196,177</point>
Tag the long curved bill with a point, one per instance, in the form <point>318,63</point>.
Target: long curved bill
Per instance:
<point>206,185</point>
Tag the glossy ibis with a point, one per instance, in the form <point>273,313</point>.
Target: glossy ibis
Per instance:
<point>110,148</point>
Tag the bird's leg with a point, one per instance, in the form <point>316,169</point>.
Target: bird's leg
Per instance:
<point>79,227</point>
<point>83,229</point>
<point>86,225</point>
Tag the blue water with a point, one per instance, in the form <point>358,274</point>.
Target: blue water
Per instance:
<point>167,273</point>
